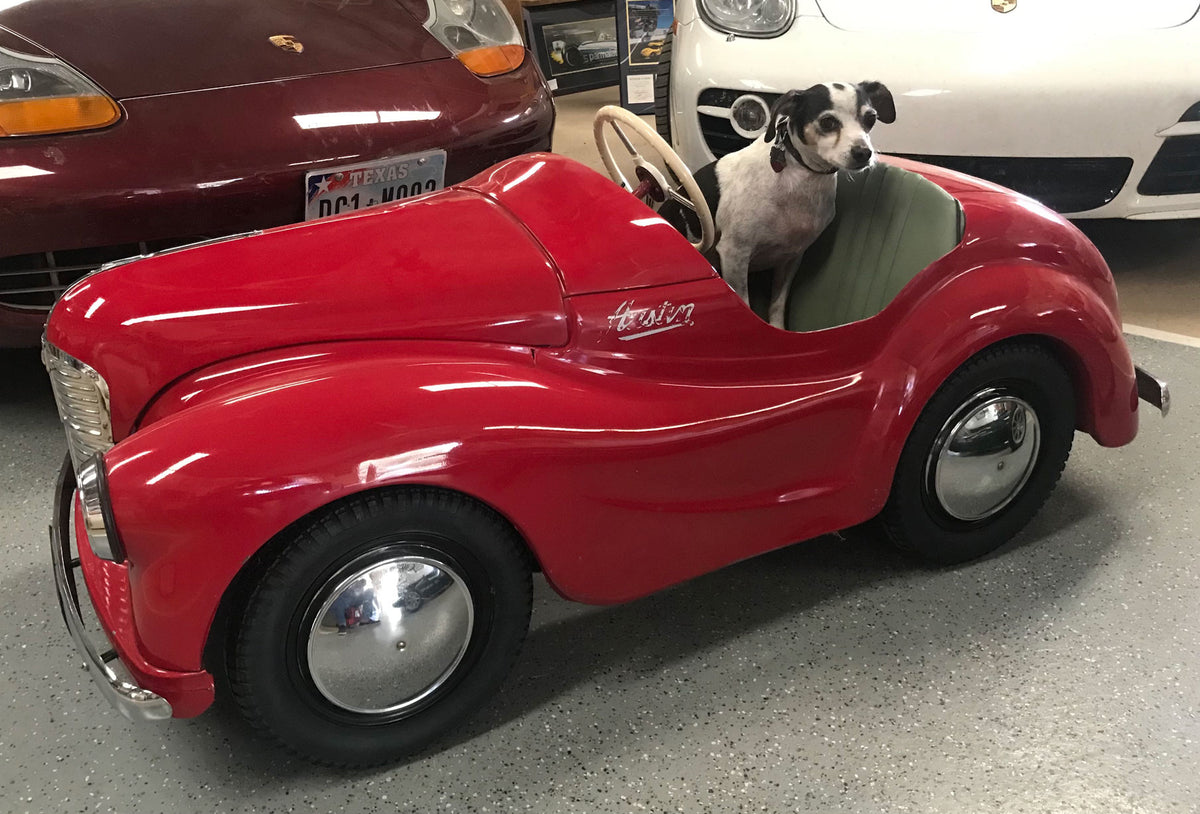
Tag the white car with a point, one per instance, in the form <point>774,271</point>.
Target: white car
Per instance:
<point>1090,106</point>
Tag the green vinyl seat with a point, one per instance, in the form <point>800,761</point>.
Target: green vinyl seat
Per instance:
<point>890,224</point>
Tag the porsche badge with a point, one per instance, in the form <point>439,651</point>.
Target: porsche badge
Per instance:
<point>288,43</point>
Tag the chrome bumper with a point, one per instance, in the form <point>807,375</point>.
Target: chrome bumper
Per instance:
<point>1153,390</point>
<point>132,701</point>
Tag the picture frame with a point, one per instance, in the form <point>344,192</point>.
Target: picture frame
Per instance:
<point>642,28</point>
<point>575,44</point>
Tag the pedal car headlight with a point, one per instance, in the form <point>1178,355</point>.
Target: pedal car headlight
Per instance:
<point>40,95</point>
<point>481,33</point>
<point>97,511</point>
<point>751,18</point>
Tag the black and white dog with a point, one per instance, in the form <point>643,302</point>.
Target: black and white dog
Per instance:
<point>776,195</point>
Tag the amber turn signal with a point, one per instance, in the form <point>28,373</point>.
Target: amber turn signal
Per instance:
<point>61,114</point>
<point>493,60</point>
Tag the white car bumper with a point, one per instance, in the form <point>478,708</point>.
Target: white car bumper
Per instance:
<point>1090,124</point>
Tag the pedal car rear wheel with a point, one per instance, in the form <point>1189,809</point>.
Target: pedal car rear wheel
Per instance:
<point>985,454</point>
<point>333,658</point>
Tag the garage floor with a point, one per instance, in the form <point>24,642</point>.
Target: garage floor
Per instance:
<point>1058,675</point>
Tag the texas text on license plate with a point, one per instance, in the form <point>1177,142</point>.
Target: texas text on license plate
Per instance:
<point>357,186</point>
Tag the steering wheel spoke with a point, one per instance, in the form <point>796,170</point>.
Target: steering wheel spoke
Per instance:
<point>681,199</point>
<point>624,139</point>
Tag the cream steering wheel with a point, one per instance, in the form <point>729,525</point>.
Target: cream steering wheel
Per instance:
<point>653,188</point>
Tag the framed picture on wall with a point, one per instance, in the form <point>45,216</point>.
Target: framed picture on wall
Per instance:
<point>575,44</point>
<point>642,29</point>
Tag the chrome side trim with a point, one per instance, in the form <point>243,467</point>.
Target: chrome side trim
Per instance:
<point>1153,390</point>
<point>132,701</point>
<point>124,261</point>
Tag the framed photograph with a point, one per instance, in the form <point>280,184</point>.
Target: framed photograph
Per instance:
<point>646,25</point>
<point>643,27</point>
<point>575,44</point>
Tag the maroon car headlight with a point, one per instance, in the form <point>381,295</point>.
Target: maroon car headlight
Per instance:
<point>40,95</point>
<point>481,33</point>
<point>98,521</point>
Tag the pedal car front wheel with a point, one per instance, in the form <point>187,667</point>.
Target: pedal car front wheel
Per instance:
<point>985,454</point>
<point>335,659</point>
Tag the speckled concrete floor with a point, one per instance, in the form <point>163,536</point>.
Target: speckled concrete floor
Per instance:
<point>1058,675</point>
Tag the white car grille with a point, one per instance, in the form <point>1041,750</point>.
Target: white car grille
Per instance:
<point>82,397</point>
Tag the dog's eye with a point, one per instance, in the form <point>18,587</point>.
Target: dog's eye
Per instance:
<point>829,124</point>
<point>868,119</point>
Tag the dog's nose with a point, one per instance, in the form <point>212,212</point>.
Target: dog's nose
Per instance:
<point>860,155</point>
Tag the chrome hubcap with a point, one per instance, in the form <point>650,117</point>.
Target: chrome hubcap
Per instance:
<point>984,455</point>
<point>387,636</point>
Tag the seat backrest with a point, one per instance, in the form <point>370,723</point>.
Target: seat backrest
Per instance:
<point>890,224</point>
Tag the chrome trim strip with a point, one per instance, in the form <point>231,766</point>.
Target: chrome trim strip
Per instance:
<point>132,701</point>
<point>1153,390</point>
<point>210,241</point>
<point>714,111</point>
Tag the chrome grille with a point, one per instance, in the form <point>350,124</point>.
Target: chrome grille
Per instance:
<point>82,397</point>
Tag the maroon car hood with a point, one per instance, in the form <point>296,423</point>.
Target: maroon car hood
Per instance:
<point>148,47</point>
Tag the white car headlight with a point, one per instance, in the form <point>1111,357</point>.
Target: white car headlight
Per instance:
<point>43,95</point>
<point>481,33</point>
<point>750,18</point>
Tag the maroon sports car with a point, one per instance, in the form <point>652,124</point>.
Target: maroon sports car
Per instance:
<point>130,127</point>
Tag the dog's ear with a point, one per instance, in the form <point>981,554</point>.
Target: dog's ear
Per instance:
<point>881,99</point>
<point>785,105</point>
<point>799,106</point>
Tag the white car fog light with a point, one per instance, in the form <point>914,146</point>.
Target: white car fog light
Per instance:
<point>748,115</point>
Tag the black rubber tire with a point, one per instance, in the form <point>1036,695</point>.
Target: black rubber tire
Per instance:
<point>914,519</point>
<point>268,676</point>
<point>662,90</point>
<point>573,57</point>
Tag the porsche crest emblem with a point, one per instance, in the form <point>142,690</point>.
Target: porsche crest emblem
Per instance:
<point>287,42</point>
<point>1004,6</point>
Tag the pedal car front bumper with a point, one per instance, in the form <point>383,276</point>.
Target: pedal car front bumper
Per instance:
<point>150,694</point>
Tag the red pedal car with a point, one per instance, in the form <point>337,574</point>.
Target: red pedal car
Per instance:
<point>329,475</point>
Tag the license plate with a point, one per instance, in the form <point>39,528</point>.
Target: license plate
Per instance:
<point>357,186</point>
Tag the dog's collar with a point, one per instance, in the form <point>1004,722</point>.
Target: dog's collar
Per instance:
<point>791,148</point>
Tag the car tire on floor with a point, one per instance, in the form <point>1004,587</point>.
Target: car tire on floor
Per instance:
<point>984,455</point>
<point>329,661</point>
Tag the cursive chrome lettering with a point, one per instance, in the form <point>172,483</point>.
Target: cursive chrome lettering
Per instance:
<point>634,323</point>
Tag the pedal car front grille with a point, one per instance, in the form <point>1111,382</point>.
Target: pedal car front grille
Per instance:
<point>36,281</point>
<point>83,404</point>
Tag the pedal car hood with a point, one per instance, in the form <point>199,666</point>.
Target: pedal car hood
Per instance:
<point>599,236</point>
<point>454,265</point>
